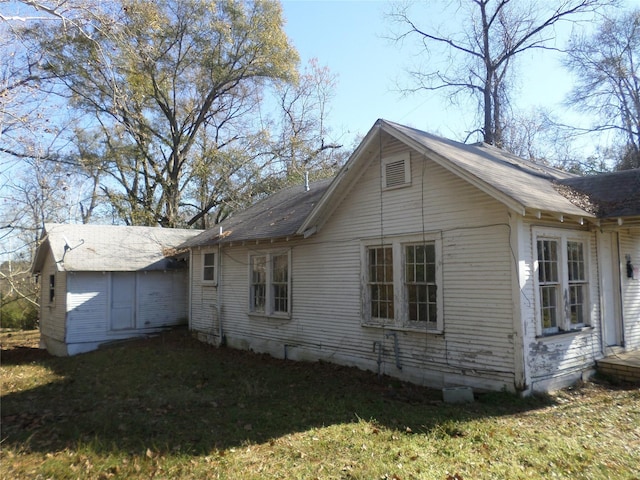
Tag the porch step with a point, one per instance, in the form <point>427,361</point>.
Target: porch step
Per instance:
<point>624,367</point>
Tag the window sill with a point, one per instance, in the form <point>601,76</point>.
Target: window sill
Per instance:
<point>269,316</point>
<point>564,333</point>
<point>403,328</point>
<point>208,283</point>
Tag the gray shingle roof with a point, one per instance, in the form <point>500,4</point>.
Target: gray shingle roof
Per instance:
<point>277,216</point>
<point>110,248</point>
<point>525,186</point>
<point>608,195</point>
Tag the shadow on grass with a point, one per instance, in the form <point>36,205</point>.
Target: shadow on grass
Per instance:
<point>175,394</point>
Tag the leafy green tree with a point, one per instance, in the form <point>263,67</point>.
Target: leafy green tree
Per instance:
<point>151,77</point>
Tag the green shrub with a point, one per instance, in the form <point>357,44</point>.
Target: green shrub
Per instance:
<point>18,313</point>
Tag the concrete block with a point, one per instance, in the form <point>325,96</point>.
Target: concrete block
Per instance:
<point>457,394</point>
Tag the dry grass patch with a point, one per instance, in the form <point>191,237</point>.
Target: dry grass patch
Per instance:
<point>171,407</point>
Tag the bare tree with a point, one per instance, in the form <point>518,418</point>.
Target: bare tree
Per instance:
<point>483,47</point>
<point>607,70</point>
<point>303,141</point>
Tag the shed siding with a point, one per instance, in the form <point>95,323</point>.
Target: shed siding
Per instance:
<point>52,314</point>
<point>555,361</point>
<point>161,298</point>
<point>630,287</point>
<point>476,347</point>
<point>88,301</point>
<point>160,302</point>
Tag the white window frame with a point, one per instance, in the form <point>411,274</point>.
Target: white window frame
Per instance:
<point>386,161</point>
<point>563,322</point>
<point>209,267</point>
<point>401,296</point>
<point>270,306</point>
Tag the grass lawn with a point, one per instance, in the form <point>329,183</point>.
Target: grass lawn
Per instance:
<point>172,407</point>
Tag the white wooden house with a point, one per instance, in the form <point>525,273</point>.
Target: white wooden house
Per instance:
<point>432,261</point>
<point>104,283</point>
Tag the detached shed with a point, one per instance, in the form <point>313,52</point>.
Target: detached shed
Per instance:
<point>103,283</point>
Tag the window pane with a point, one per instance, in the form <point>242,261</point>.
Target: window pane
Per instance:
<point>280,268</point>
<point>259,298</point>
<point>280,283</point>
<point>549,307</point>
<point>381,282</point>
<point>575,257</point>
<point>420,275</point>
<point>547,261</point>
<point>209,259</point>
<point>576,304</point>
<point>280,298</point>
<point>258,283</point>
<point>208,268</point>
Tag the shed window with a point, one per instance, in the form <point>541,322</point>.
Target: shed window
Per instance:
<point>270,284</point>
<point>562,282</point>
<point>52,288</point>
<point>209,267</point>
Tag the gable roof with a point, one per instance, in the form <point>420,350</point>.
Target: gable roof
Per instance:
<point>523,186</point>
<point>609,195</point>
<point>277,216</point>
<point>109,248</point>
<point>526,187</point>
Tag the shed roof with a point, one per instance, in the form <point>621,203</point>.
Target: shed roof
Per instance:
<point>110,248</point>
<point>609,195</point>
<point>277,216</point>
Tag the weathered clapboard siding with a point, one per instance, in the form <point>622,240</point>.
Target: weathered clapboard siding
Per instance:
<point>630,245</point>
<point>204,296</point>
<point>482,209</point>
<point>88,306</point>
<point>326,322</point>
<point>160,302</point>
<point>161,298</point>
<point>52,314</point>
<point>557,360</point>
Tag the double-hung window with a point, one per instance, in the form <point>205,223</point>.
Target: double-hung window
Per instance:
<point>562,281</point>
<point>403,283</point>
<point>270,284</point>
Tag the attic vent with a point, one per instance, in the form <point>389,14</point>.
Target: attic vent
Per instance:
<point>395,172</point>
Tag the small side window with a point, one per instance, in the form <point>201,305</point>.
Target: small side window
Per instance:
<point>52,288</point>
<point>209,267</point>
